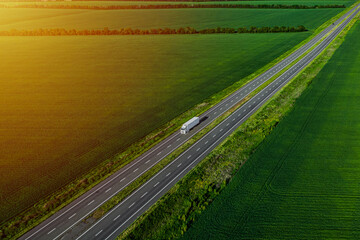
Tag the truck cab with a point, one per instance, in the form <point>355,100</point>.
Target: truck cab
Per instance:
<point>184,129</point>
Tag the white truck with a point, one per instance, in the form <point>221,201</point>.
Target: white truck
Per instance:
<point>186,127</point>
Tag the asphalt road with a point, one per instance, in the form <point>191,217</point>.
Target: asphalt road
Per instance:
<point>120,217</point>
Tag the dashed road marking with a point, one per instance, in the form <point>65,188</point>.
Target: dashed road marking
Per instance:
<point>124,178</point>
<point>116,217</point>
<point>91,202</point>
<point>168,174</point>
<point>156,184</point>
<point>51,231</point>
<point>72,216</point>
<point>179,165</point>
<point>98,233</point>
<point>136,170</point>
<point>143,195</point>
<point>131,204</point>
<point>107,190</point>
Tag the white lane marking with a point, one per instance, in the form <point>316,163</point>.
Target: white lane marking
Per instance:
<point>222,129</point>
<point>156,184</point>
<point>214,135</point>
<point>72,216</point>
<point>169,146</point>
<point>158,154</point>
<point>179,165</point>
<point>178,139</point>
<point>220,109</point>
<point>168,174</point>
<point>215,112</point>
<point>116,217</point>
<point>143,195</point>
<point>147,161</point>
<point>239,114</point>
<point>197,149</point>
<point>233,119</point>
<point>244,110</point>
<point>122,179</point>
<point>51,231</point>
<point>131,204</point>
<point>206,142</point>
<point>98,233</point>
<point>226,104</point>
<point>107,190</point>
<point>91,202</point>
<point>189,157</point>
<point>136,170</point>
<point>227,124</point>
<point>232,100</point>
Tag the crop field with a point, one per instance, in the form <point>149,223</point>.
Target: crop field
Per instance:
<point>160,18</point>
<point>70,102</point>
<point>72,117</point>
<point>126,3</point>
<point>303,181</point>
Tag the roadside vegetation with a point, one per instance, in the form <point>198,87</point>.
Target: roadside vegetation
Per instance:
<point>172,216</point>
<point>129,31</point>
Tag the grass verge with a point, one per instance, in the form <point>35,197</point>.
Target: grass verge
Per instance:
<point>171,216</point>
<point>18,225</point>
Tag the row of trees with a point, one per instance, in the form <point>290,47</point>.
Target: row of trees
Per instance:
<point>130,31</point>
<point>167,6</point>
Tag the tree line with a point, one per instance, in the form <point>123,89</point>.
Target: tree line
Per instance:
<point>170,6</point>
<point>130,31</point>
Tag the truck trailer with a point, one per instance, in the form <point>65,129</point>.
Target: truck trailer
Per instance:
<point>186,127</point>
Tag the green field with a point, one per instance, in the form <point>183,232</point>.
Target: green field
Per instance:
<point>303,181</point>
<point>127,3</point>
<point>63,109</point>
<point>159,18</point>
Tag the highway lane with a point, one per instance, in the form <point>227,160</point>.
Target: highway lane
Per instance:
<point>61,223</point>
<point>121,216</point>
